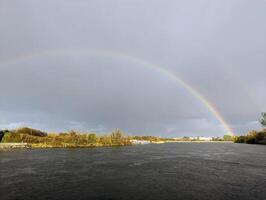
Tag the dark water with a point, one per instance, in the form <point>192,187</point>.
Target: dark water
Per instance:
<point>164,171</point>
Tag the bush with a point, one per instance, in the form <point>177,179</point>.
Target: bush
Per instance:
<point>30,131</point>
<point>252,137</point>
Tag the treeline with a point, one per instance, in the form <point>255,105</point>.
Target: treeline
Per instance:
<point>69,139</point>
<point>224,138</point>
<point>253,137</point>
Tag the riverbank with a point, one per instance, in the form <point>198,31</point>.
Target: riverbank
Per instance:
<point>9,146</point>
<point>36,139</point>
<point>5,146</point>
<point>198,141</point>
<point>67,145</point>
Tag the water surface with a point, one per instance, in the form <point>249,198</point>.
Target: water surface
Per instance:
<point>164,171</point>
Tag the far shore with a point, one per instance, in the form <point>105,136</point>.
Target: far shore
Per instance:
<point>199,141</point>
<point>28,138</point>
<point>8,146</point>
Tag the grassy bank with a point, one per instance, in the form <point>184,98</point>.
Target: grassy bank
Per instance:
<point>71,139</point>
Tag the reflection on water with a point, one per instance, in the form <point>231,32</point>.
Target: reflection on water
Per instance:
<point>163,171</point>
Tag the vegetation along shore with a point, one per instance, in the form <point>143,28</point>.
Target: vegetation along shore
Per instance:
<point>31,138</point>
<point>253,137</point>
<point>39,139</point>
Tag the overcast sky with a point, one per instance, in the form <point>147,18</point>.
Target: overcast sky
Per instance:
<point>80,64</point>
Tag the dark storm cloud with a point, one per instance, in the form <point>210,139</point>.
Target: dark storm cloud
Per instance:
<point>219,47</point>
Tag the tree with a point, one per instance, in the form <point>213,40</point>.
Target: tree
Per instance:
<point>31,131</point>
<point>106,140</point>
<point>263,119</point>
<point>117,137</point>
<point>2,134</point>
<point>92,138</point>
<point>228,138</point>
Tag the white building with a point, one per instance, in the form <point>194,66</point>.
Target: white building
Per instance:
<point>201,138</point>
<point>140,141</point>
<point>205,138</point>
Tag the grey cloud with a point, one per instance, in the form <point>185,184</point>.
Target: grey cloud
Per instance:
<point>218,47</point>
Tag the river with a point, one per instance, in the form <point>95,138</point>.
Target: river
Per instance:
<point>217,171</point>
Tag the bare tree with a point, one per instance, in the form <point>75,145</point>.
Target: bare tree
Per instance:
<point>263,119</point>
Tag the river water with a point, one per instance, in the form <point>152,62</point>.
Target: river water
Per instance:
<point>154,171</point>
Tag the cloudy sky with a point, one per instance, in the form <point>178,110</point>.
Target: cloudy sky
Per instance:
<point>96,65</point>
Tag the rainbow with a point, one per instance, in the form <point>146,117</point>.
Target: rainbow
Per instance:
<point>138,61</point>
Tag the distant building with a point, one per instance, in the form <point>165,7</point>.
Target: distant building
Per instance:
<point>140,141</point>
<point>205,138</point>
<point>198,138</point>
<point>178,138</point>
<point>201,138</point>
